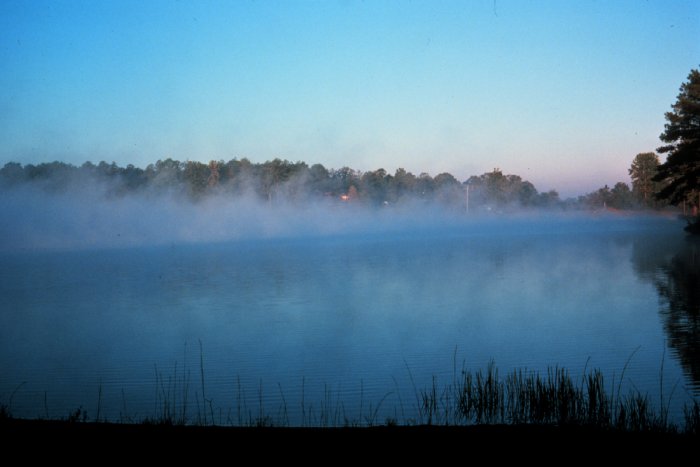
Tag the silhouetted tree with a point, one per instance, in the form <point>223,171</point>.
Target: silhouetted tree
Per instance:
<point>681,171</point>
<point>373,186</point>
<point>496,190</point>
<point>213,179</point>
<point>621,197</point>
<point>527,194</point>
<point>53,176</point>
<point>550,199</point>
<point>600,199</point>
<point>404,184</point>
<point>448,190</point>
<point>496,185</point>
<point>341,179</point>
<point>319,180</point>
<point>239,176</point>
<point>424,185</point>
<point>132,178</point>
<point>642,172</point>
<point>107,171</point>
<point>196,176</point>
<point>167,174</point>
<point>12,173</point>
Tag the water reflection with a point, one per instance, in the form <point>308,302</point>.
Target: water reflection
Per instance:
<point>304,318</point>
<point>673,266</point>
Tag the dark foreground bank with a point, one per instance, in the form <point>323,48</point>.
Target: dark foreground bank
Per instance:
<point>90,443</point>
<point>79,433</point>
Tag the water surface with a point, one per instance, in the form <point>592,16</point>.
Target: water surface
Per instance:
<point>344,321</point>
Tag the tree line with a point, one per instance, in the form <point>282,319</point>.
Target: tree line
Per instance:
<point>654,185</point>
<point>642,193</point>
<point>284,181</point>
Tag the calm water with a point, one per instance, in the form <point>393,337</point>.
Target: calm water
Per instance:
<point>337,322</point>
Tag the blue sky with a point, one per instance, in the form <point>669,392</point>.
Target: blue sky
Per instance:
<point>563,93</point>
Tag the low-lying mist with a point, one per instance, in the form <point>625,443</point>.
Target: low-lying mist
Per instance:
<point>88,217</point>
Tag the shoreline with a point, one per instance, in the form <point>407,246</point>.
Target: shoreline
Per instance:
<point>62,432</point>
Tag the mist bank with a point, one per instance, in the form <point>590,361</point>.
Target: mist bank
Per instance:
<point>91,216</point>
<point>297,181</point>
<point>61,206</point>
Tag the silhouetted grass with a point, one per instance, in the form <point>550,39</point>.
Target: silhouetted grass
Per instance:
<point>482,397</point>
<point>692,418</point>
<point>554,398</point>
<point>5,413</point>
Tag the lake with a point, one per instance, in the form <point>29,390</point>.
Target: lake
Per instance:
<point>346,326</point>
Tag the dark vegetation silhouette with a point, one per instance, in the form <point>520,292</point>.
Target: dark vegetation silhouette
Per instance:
<point>678,285</point>
<point>680,174</point>
<point>679,289</point>
<point>284,182</point>
<point>644,168</point>
<point>473,398</point>
<point>673,267</point>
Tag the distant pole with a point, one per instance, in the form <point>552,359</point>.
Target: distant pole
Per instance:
<point>467,198</point>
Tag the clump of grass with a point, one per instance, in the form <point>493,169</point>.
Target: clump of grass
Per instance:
<point>5,412</point>
<point>78,415</point>
<point>172,396</point>
<point>597,403</point>
<point>6,409</point>
<point>480,397</point>
<point>554,399</point>
<point>692,418</point>
<point>635,414</point>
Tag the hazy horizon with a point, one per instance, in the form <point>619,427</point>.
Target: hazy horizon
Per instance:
<point>89,214</point>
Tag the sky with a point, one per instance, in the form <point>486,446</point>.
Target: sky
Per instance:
<point>562,93</point>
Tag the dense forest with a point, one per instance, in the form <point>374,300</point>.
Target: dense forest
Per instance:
<point>282,181</point>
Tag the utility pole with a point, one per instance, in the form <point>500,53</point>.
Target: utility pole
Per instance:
<point>467,196</point>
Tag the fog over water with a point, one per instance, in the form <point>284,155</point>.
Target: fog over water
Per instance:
<point>93,217</point>
<point>307,298</point>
